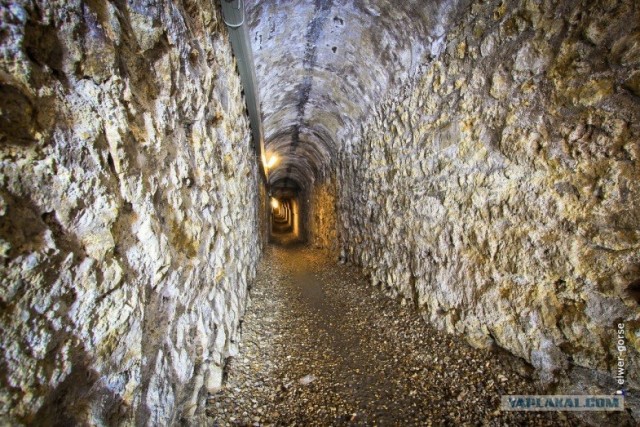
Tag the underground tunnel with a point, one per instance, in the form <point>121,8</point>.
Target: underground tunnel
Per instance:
<point>357,212</point>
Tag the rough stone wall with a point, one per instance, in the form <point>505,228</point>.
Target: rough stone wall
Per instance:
<point>128,210</point>
<point>499,189</point>
<point>264,220</point>
<point>322,228</point>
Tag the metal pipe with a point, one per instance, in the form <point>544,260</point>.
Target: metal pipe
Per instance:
<point>233,15</point>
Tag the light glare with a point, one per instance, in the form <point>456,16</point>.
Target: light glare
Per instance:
<point>272,161</point>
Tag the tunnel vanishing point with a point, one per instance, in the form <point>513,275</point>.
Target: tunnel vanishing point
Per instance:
<point>476,159</point>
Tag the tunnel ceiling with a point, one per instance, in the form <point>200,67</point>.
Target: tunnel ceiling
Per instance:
<point>322,65</point>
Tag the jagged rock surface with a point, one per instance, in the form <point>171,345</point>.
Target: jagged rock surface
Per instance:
<point>128,210</point>
<point>321,216</point>
<point>499,189</point>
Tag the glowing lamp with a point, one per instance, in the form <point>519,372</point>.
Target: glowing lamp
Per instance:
<point>273,159</point>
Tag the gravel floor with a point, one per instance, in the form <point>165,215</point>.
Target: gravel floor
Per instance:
<point>321,347</point>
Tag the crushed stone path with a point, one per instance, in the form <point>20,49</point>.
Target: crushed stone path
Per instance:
<point>322,347</point>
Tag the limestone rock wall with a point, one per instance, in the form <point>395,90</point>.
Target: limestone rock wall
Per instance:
<point>322,227</point>
<point>499,189</point>
<point>264,209</point>
<point>129,210</point>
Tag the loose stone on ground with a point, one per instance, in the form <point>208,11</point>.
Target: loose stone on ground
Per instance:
<point>321,347</point>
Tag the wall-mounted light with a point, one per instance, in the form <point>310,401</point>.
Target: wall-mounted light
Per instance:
<point>274,203</point>
<point>271,161</point>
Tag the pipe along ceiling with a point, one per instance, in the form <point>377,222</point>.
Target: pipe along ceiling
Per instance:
<point>322,65</point>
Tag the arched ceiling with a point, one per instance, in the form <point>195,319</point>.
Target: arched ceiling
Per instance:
<point>322,65</point>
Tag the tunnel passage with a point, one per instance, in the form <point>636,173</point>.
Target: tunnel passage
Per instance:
<point>507,134</point>
<point>282,216</point>
<point>285,216</point>
<point>478,160</point>
<point>321,69</point>
<point>287,220</point>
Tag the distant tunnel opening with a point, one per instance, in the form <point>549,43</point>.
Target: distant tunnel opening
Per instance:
<point>285,219</point>
<point>304,214</point>
<point>285,216</point>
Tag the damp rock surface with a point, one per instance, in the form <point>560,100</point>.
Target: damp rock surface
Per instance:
<point>322,347</point>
